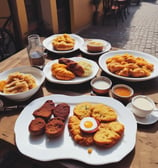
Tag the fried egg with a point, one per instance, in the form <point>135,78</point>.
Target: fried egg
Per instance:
<point>89,125</point>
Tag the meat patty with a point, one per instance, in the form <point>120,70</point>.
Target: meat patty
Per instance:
<point>62,110</point>
<point>37,126</point>
<point>54,128</point>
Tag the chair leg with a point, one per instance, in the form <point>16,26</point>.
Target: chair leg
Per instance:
<point>115,15</point>
<point>121,15</point>
<point>127,10</point>
<point>103,19</point>
<point>124,10</point>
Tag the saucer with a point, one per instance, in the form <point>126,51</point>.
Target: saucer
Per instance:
<point>106,48</point>
<point>150,119</point>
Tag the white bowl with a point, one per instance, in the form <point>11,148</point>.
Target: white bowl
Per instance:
<point>38,75</point>
<point>101,85</point>
<point>142,105</point>
<point>120,96</point>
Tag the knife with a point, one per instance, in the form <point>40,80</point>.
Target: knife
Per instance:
<point>9,108</point>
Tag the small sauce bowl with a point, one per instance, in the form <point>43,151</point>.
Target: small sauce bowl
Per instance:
<point>101,85</point>
<point>142,105</point>
<point>95,45</point>
<point>122,92</point>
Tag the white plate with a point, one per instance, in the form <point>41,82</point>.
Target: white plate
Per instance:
<point>150,119</point>
<point>76,80</point>
<point>148,57</point>
<point>47,43</point>
<point>107,47</point>
<point>43,149</point>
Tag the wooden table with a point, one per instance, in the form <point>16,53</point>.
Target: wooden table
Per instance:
<point>144,155</point>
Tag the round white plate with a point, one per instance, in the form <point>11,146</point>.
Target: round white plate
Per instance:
<point>47,43</point>
<point>43,149</point>
<point>148,57</point>
<point>76,80</point>
<point>107,47</point>
<point>150,119</point>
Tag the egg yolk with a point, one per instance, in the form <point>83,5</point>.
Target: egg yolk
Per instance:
<point>88,124</point>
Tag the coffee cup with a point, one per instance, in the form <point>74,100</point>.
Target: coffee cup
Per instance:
<point>142,105</point>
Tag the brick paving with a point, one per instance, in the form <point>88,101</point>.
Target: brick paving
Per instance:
<point>138,32</point>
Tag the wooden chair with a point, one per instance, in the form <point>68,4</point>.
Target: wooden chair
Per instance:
<point>124,7</point>
<point>111,9</point>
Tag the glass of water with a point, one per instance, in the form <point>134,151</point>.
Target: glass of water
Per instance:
<point>35,51</point>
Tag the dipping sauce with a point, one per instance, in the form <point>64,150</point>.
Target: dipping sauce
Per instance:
<point>95,46</point>
<point>100,84</point>
<point>143,103</point>
<point>122,91</point>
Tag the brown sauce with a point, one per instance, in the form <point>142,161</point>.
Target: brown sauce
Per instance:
<point>122,91</point>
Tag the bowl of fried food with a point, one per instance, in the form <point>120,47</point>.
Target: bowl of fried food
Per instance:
<point>129,65</point>
<point>21,83</point>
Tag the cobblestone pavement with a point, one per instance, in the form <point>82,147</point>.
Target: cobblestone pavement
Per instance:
<point>138,32</point>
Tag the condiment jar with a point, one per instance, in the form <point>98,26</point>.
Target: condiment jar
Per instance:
<point>35,51</point>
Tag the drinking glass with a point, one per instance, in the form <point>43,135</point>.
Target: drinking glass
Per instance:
<point>35,51</point>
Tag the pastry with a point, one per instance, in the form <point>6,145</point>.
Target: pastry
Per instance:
<point>2,85</point>
<point>63,42</point>
<point>18,82</point>
<point>109,134</point>
<point>103,113</point>
<point>61,72</point>
<point>76,133</point>
<point>105,133</point>
<point>129,66</point>
<point>83,110</point>
<point>57,65</point>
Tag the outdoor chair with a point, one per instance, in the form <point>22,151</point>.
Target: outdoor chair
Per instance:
<point>111,10</point>
<point>124,7</point>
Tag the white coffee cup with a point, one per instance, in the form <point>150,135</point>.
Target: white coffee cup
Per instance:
<point>142,105</point>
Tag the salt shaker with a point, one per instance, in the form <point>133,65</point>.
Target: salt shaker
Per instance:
<point>35,51</point>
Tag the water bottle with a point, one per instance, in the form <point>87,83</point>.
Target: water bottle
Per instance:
<point>35,51</point>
